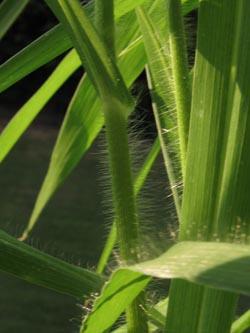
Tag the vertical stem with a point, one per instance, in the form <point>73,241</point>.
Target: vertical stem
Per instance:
<point>104,22</point>
<point>124,202</point>
<point>138,183</point>
<point>122,182</point>
<point>180,75</point>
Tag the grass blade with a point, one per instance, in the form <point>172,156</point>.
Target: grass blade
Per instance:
<point>30,110</point>
<point>9,12</point>
<point>37,267</point>
<point>41,51</point>
<point>241,324</point>
<point>182,87</point>
<point>159,83</point>
<point>47,47</point>
<point>83,122</point>
<point>98,63</point>
<point>217,175</point>
<point>117,294</point>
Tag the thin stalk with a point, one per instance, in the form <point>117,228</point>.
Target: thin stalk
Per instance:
<point>104,22</point>
<point>138,184</point>
<point>182,88</point>
<point>115,115</point>
<point>122,182</point>
<point>124,202</point>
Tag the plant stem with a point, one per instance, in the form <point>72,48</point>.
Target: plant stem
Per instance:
<point>182,87</point>
<point>115,115</point>
<point>138,184</point>
<point>104,22</point>
<point>124,202</point>
<point>122,182</point>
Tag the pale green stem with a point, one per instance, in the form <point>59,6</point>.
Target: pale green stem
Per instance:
<point>182,88</point>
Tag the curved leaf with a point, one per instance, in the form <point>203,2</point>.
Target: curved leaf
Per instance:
<point>217,265</point>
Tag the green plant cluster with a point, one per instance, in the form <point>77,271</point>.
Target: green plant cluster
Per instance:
<point>203,122</point>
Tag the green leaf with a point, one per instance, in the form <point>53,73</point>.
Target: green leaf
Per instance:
<point>47,47</point>
<point>34,266</point>
<point>122,7</point>
<point>96,59</point>
<point>82,123</point>
<point>217,265</point>
<point>161,89</point>
<point>217,184</point>
<point>9,12</point>
<point>30,110</point>
<point>117,294</point>
<point>241,324</point>
<point>41,51</point>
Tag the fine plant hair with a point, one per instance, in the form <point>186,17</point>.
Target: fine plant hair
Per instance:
<point>156,212</point>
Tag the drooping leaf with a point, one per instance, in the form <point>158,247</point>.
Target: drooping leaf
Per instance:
<point>37,267</point>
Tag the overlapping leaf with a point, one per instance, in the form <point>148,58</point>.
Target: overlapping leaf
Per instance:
<point>217,265</point>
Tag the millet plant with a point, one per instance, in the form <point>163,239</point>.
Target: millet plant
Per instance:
<point>202,115</point>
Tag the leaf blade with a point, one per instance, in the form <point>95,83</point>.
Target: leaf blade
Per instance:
<point>32,265</point>
<point>204,263</point>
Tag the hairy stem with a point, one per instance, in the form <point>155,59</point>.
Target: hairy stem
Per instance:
<point>124,203</point>
<point>115,115</point>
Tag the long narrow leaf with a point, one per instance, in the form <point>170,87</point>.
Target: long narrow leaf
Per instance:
<point>217,185</point>
<point>160,84</point>
<point>83,122</point>
<point>30,110</point>
<point>96,59</point>
<point>39,268</point>
<point>47,47</point>
<point>84,119</point>
<point>9,11</point>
